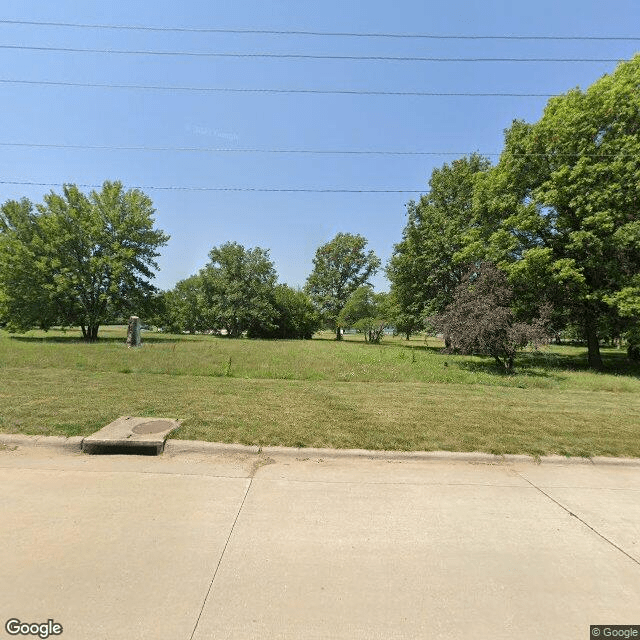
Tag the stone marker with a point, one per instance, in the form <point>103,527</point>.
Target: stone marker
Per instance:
<point>133,332</point>
<point>131,435</point>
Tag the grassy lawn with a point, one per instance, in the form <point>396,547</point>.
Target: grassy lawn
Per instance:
<point>398,395</point>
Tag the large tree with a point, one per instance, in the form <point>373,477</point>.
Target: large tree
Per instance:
<point>339,268</point>
<point>422,269</point>
<point>560,212</point>
<point>76,259</point>
<point>237,288</point>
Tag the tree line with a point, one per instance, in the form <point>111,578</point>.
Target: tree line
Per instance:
<point>545,241</point>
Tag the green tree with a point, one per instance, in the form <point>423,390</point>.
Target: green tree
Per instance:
<point>295,316</point>
<point>368,312</point>
<point>183,307</point>
<point>422,269</point>
<point>76,259</point>
<point>339,268</point>
<point>559,213</point>
<point>237,287</point>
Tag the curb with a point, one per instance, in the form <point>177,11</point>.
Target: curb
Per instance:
<point>177,447</point>
<point>73,443</point>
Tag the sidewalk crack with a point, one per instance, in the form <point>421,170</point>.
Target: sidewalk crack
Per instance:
<point>224,549</point>
<point>584,522</point>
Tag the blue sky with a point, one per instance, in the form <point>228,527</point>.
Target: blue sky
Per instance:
<point>290,225</point>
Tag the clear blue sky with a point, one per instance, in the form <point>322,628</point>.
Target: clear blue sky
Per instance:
<point>291,225</point>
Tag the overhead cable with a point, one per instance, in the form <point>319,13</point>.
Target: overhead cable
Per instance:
<point>295,56</point>
<point>235,189</point>
<point>363,92</point>
<point>300,32</point>
<point>380,152</point>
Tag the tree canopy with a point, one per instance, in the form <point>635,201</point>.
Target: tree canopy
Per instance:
<point>368,312</point>
<point>236,288</point>
<point>339,268</point>
<point>423,270</point>
<point>76,259</point>
<point>559,213</point>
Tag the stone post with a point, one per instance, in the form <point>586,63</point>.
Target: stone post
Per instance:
<point>133,332</point>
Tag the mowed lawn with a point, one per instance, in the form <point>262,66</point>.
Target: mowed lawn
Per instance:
<point>322,393</point>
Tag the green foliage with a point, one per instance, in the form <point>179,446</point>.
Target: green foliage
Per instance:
<point>339,268</point>
<point>367,312</point>
<point>559,212</point>
<point>183,307</point>
<point>77,260</point>
<point>295,316</point>
<point>237,286</point>
<point>422,269</point>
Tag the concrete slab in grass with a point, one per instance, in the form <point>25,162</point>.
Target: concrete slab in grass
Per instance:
<point>129,434</point>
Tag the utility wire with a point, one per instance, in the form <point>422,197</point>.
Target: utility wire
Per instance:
<point>296,56</point>
<point>150,87</point>
<point>378,152</point>
<point>282,32</point>
<point>235,189</point>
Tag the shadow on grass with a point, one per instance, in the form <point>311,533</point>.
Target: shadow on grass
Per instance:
<point>549,365</point>
<point>79,340</point>
<point>490,367</point>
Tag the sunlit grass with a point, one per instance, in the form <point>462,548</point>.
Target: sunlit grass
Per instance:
<point>398,395</point>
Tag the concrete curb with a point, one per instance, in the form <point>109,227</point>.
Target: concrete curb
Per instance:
<point>73,443</point>
<point>173,447</point>
<point>176,447</point>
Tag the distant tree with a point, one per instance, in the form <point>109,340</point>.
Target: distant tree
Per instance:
<point>559,213</point>
<point>76,259</point>
<point>295,316</point>
<point>480,319</point>
<point>184,308</point>
<point>339,268</point>
<point>237,288</point>
<point>368,312</point>
<point>423,270</point>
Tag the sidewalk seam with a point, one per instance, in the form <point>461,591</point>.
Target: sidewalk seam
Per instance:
<point>224,549</point>
<point>584,522</point>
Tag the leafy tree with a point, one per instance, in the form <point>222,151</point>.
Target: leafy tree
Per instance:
<point>479,320</point>
<point>559,213</point>
<point>422,269</point>
<point>295,316</point>
<point>76,259</point>
<point>339,268</point>
<point>183,307</point>
<point>368,312</point>
<point>237,286</point>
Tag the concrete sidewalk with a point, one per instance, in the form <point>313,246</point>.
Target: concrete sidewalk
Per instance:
<point>247,545</point>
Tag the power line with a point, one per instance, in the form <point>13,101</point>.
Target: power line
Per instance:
<point>289,32</point>
<point>380,152</point>
<point>234,189</point>
<point>295,56</point>
<point>147,87</point>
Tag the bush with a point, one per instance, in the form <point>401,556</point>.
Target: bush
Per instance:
<point>295,316</point>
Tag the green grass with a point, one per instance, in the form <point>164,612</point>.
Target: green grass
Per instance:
<point>397,395</point>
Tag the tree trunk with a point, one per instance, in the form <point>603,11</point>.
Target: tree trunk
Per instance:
<point>91,332</point>
<point>84,332</point>
<point>338,334</point>
<point>593,343</point>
